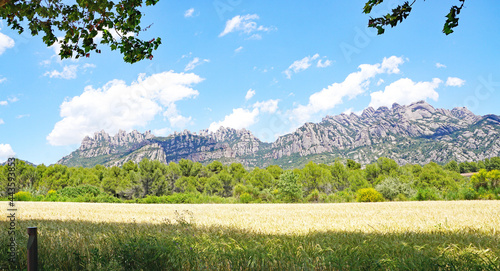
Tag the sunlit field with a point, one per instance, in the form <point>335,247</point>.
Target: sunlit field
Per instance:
<point>442,235</point>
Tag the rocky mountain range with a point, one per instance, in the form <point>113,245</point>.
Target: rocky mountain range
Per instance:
<point>417,133</point>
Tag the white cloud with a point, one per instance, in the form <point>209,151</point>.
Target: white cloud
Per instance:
<point>240,118</point>
<point>23,116</point>
<point>162,132</point>
<point>250,94</point>
<point>353,85</point>
<point>255,37</point>
<point>455,82</point>
<point>380,82</point>
<point>244,118</point>
<point>237,50</point>
<point>439,65</point>
<point>323,64</point>
<point>269,106</point>
<point>88,66</point>
<point>194,63</point>
<point>175,119</point>
<point>6,42</point>
<point>117,105</point>
<point>300,65</point>
<point>189,13</point>
<point>11,100</point>
<point>6,152</point>
<point>68,72</point>
<point>2,122</point>
<point>245,24</point>
<point>404,91</point>
<point>2,79</point>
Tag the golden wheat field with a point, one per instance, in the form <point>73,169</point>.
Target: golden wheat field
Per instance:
<point>440,235</point>
<point>285,218</point>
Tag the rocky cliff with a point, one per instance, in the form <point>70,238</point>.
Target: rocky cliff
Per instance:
<point>418,133</point>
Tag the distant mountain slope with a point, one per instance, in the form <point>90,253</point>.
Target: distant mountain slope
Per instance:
<point>418,133</point>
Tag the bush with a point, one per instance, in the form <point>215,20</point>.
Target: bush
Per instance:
<point>341,196</point>
<point>468,193</point>
<point>245,198</point>
<point>390,188</point>
<point>23,196</point>
<point>368,195</point>
<point>51,196</point>
<point>81,190</point>
<point>313,196</point>
<point>426,194</point>
<point>266,195</point>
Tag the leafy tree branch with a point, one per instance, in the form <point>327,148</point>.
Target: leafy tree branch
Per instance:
<point>401,12</point>
<point>84,25</point>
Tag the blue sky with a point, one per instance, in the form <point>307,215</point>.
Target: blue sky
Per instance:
<point>267,66</point>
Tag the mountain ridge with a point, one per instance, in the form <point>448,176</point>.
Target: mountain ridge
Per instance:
<point>415,133</point>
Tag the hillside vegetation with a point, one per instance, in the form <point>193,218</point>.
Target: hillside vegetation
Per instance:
<point>191,182</point>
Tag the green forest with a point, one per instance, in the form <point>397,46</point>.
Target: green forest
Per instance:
<point>192,182</point>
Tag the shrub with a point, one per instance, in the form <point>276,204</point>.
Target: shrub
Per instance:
<point>390,188</point>
<point>468,193</point>
<point>401,197</point>
<point>245,198</point>
<point>368,195</point>
<point>426,194</point>
<point>341,196</point>
<point>81,190</point>
<point>313,196</point>
<point>23,196</point>
<point>51,196</point>
<point>266,195</point>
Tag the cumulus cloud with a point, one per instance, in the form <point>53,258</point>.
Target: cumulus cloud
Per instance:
<point>353,85</point>
<point>6,42</point>
<point>194,63</point>
<point>269,106</point>
<point>189,13</point>
<point>240,118</point>
<point>4,103</point>
<point>244,117</point>
<point>6,152</point>
<point>68,72</point>
<point>175,119</point>
<point>300,65</point>
<point>250,94</point>
<point>454,82</point>
<point>439,65</point>
<point>404,91</point>
<point>245,24</point>
<point>117,105</point>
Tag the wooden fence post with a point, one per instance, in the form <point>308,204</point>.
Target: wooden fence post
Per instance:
<point>32,250</point>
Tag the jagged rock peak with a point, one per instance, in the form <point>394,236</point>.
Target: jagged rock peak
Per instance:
<point>462,112</point>
<point>395,106</point>
<point>422,105</point>
<point>121,138</point>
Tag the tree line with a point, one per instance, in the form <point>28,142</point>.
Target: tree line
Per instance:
<point>188,181</point>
